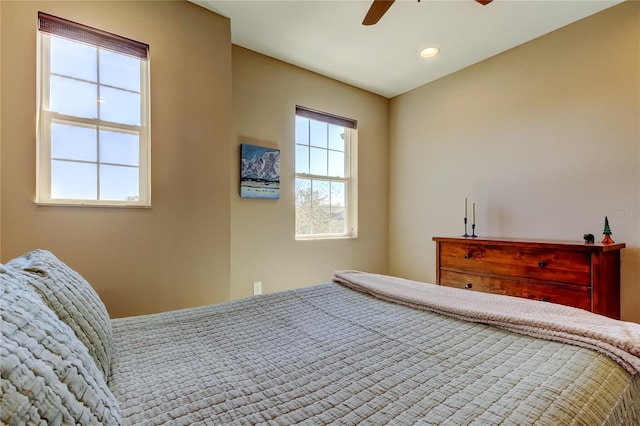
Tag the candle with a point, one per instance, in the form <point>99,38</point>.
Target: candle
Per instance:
<point>474,214</point>
<point>465,207</point>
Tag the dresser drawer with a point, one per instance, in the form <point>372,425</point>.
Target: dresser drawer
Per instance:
<point>573,267</point>
<point>576,296</point>
<point>577,274</point>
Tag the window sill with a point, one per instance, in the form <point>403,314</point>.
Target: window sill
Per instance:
<point>90,204</point>
<point>326,237</point>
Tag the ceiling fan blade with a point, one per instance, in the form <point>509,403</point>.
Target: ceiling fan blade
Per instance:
<point>484,2</point>
<point>377,9</point>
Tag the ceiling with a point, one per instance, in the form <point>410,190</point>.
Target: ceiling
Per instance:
<point>328,37</point>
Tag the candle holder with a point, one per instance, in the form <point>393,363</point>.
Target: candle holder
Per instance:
<point>465,228</point>
<point>473,231</point>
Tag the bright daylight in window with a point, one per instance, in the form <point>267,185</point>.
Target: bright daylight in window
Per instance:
<point>326,202</point>
<point>93,117</point>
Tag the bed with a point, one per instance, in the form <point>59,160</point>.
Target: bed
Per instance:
<point>363,349</point>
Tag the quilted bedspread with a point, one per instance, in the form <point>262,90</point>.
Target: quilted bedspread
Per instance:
<point>328,354</point>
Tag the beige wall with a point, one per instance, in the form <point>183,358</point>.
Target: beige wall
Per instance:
<point>263,247</point>
<point>545,138</point>
<point>175,254</point>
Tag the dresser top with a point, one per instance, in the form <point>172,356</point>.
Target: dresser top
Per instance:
<point>524,242</point>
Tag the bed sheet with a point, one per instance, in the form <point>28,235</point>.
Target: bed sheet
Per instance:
<point>330,355</point>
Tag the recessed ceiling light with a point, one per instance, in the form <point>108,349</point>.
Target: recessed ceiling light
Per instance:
<point>429,52</point>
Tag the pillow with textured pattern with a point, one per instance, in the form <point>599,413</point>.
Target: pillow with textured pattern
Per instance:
<point>47,374</point>
<point>72,298</point>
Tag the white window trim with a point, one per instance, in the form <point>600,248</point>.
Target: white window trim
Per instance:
<point>351,154</point>
<point>44,118</point>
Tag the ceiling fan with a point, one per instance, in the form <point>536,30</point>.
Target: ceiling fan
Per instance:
<point>380,7</point>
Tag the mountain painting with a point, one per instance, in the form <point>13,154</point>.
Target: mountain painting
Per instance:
<point>259,172</point>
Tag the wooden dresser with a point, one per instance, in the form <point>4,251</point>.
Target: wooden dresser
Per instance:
<point>582,275</point>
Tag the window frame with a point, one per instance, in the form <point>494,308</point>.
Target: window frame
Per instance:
<point>350,178</point>
<point>51,26</point>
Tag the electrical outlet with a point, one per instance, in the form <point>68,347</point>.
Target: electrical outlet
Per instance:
<point>257,288</point>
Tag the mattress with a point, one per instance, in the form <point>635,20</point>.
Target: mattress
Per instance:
<point>328,354</point>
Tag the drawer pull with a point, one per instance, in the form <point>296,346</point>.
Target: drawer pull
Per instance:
<point>542,264</point>
<point>469,255</point>
<point>468,286</point>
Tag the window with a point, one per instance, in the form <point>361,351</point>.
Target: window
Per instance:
<point>93,117</point>
<point>326,202</point>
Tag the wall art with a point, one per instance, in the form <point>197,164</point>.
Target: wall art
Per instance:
<point>259,172</point>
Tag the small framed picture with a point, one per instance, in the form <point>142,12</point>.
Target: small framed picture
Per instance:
<point>259,172</point>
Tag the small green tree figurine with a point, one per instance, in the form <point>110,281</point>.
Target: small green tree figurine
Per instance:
<point>607,232</point>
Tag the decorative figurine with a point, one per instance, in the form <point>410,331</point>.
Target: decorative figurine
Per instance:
<point>607,232</point>
<point>589,238</point>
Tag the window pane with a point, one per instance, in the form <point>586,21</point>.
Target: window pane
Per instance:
<point>74,181</point>
<point>320,193</point>
<point>119,147</point>
<point>119,70</point>
<point>338,194</point>
<point>321,212</point>
<point>73,97</point>
<point>73,59</point>
<point>318,133</point>
<point>302,159</point>
<point>119,106</point>
<point>318,165</point>
<point>303,206</point>
<point>73,142</point>
<point>336,137</point>
<point>336,164</point>
<point>119,183</point>
<point>302,130</point>
<point>338,222</point>
<point>338,211</point>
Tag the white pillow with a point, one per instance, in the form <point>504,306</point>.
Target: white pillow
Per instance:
<point>47,374</point>
<point>73,299</point>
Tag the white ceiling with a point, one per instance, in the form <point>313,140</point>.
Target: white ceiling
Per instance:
<point>328,36</point>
